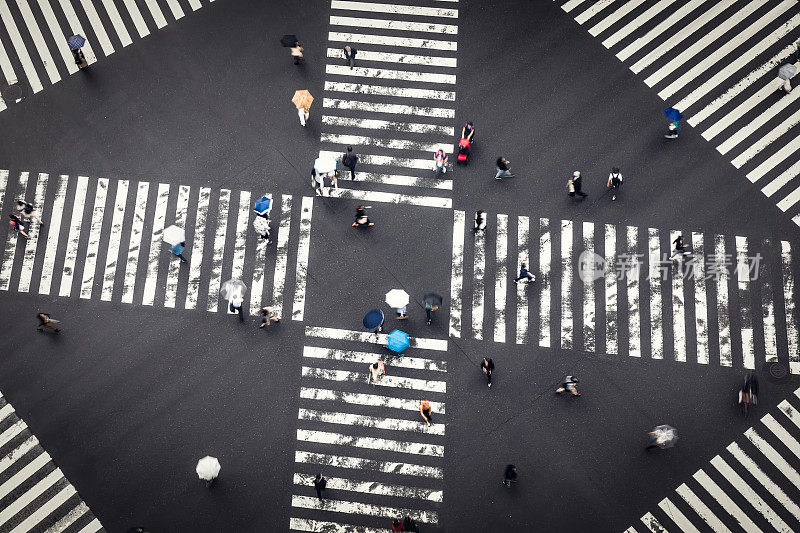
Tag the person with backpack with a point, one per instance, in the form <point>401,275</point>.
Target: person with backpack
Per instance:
<point>26,210</point>
<point>614,182</point>
<point>16,223</point>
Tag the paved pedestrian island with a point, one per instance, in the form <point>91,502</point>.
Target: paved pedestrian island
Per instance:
<point>754,484</point>
<point>34,494</point>
<point>380,458</point>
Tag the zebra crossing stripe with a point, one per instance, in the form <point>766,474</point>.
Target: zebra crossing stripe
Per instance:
<point>33,239</point>
<point>116,21</point>
<point>136,17</point>
<point>780,432</point>
<point>394,144</point>
<point>615,17</point>
<point>636,23</point>
<point>387,381</point>
<point>237,269</point>
<point>257,288</point>
<point>371,443</point>
<point>405,181</point>
<point>31,494</point>
<point>357,508</point>
<point>5,66</point>
<point>544,293</point>
<point>785,151</point>
<point>658,29</point>
<point>155,11</point>
<point>317,526</point>
<point>6,411</point>
<point>219,251</point>
<point>593,10</point>
<point>135,242</point>
<point>374,400</point>
<point>405,127</point>
<point>175,7</point>
<point>58,36</point>
<point>383,90</point>
<point>92,527</point>
<point>402,25</point>
<point>174,268</point>
<point>394,9</point>
<point>654,277</point>
<point>11,239</point>
<point>282,255</point>
<point>93,246</point>
<point>68,519</point>
<point>700,302</point>
<point>588,291</point>
<point>23,474</point>
<point>677,516</point>
<point>9,459</point>
<point>768,312</point>
<point>383,160</point>
<point>725,121</point>
<point>391,198</point>
<point>38,41</point>
<point>352,419</point>
<point>159,219</point>
<point>74,236</point>
<point>195,4</point>
<point>678,306</point>
<point>567,320</point>
<point>773,457</point>
<point>479,256</point>
<point>722,303</point>
<point>652,524</point>
<point>457,274</point>
<point>359,463</point>
<point>372,487</point>
<point>501,277</point>
<point>788,298</point>
<point>369,358</point>
<point>373,338</point>
<point>112,253</point>
<point>790,412</point>
<point>745,305</point>
<point>701,509</point>
<point>385,40</point>
<point>523,251</point>
<point>44,511</point>
<point>388,57</point>
<point>389,74</point>
<point>724,501</point>
<point>301,268</point>
<point>572,4</point>
<point>632,290</point>
<point>783,178</point>
<point>75,26</point>
<point>19,47</point>
<point>97,27</point>
<point>610,280</point>
<point>196,259</point>
<point>381,107</point>
<point>11,432</point>
<point>52,236</point>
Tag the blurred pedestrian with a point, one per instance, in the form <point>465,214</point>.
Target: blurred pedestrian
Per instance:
<point>503,168</point>
<point>429,309</point>
<point>575,184</point>
<point>46,322</point>
<point>440,162</point>
<point>235,305</point>
<point>614,182</point>
<point>376,372</point>
<point>468,132</point>
<point>261,225</point>
<point>479,224</point>
<point>297,54</point>
<point>397,525</point>
<point>303,112</point>
<point>16,223</point>
<point>409,524</point>
<point>401,312</point>
<point>268,317</point>
<point>426,411</point>
<point>569,384</point>
<point>488,367</point>
<point>178,251</point>
<point>525,274</point>
<point>79,58</point>
<point>349,160</point>
<point>786,72</point>
<point>680,247</point>
<point>350,55</point>
<point>673,128</point>
<point>510,475</point>
<point>26,210</point>
<point>318,182</point>
<point>361,216</point>
<point>319,484</point>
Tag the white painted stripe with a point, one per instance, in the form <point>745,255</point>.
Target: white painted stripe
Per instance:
<point>374,338</point>
<point>684,32</point>
<point>395,144</point>
<point>371,443</point>
<point>301,267</point>
<point>53,233</point>
<point>175,7</point>
<point>215,280</point>
<point>733,66</point>
<point>632,280</point>
<point>745,303</point>
<point>708,62</point>
<point>427,385</point>
<point>174,268</point>
<point>614,17</point>
<point>677,516</point>
<point>45,509</point>
<point>34,230</point>
<point>3,185</point>
<point>357,508</point>
<point>74,237</point>
<point>373,400</point>
<point>237,268</point>
<point>92,527</point>
<point>773,457</point>
<point>545,248</point>
<point>5,66</point>
<point>571,4</point>
<point>457,273</point>
<point>768,311</point>
<point>788,298</point>
<point>678,305</point>
<point>768,91</point>
<point>68,519</point>
<point>257,287</point>
<point>389,57</point>
<point>319,526</point>
<point>12,432</point>
<point>661,27</point>
<point>38,41</point>
<point>135,242</point>
<point>394,8</point>
<point>12,457</point>
<point>385,40</point>
<point>397,92</point>
<point>754,470</point>
<point>24,473</point>
<point>404,127</point>
<point>6,411</point>
<point>790,200</point>
<point>198,242</point>
<point>785,151</point>
<point>652,524</point>
<point>655,277</point>
<point>523,256</point>
<point>282,255</point>
<point>136,16</point>
<point>783,435</point>
<point>636,23</point>
<point>701,509</point>
<point>75,26</point>
<point>195,4</point>
<point>501,277</point>
<point>700,300</point>
<point>371,357</point>
<point>392,198</point>
<point>93,246</point>
<point>383,24</point>
<point>478,284</point>
<point>785,177</point>
<point>59,38</point>
<point>596,7</point>
<point>359,463</point>
<point>791,413</point>
<point>372,487</point>
<point>567,320</point>
<point>588,292</point>
<point>758,121</point>
<point>631,530</point>
<point>382,107</point>
<point>732,509</point>
<point>97,27</point>
<point>19,47</point>
<point>352,419</point>
<point>12,509</point>
<point>404,181</point>
<point>389,74</point>
<point>155,11</point>
<point>610,278</point>
<point>116,20</point>
<point>723,320</point>
<point>112,253</point>
<point>159,219</point>
<point>12,238</point>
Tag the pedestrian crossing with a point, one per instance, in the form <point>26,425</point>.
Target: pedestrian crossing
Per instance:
<point>613,290</point>
<point>102,240</point>
<point>380,458</point>
<point>753,485</point>
<point>396,106</point>
<point>47,25</point>
<point>717,62</point>
<point>34,494</point>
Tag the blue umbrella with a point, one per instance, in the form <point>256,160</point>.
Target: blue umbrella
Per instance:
<point>373,320</point>
<point>263,205</point>
<point>75,42</point>
<point>673,114</point>
<point>397,341</point>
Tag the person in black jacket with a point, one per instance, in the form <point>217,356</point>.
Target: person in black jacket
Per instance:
<point>503,169</point>
<point>350,55</point>
<point>349,160</point>
<point>319,484</point>
<point>577,183</point>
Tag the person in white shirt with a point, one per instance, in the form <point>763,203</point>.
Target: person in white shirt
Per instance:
<point>615,182</point>
<point>376,372</point>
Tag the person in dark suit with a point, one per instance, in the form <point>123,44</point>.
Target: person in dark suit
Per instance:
<point>349,160</point>
<point>350,55</point>
<point>577,183</point>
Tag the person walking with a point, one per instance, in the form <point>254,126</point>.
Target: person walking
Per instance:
<point>349,160</point>
<point>26,210</point>
<point>319,484</point>
<point>401,312</point>
<point>303,112</point>
<point>350,55</point>
<point>178,251</point>
<point>468,132</point>
<point>488,367</point>
<point>376,372</point>
<point>396,525</point>
<point>426,411</point>
<point>680,248</point>
<point>503,168</point>
<point>525,274</point>
<point>46,322</point>
<point>786,72</point>
<point>261,225</point>
<point>510,475</point>
<point>318,182</point>
<point>440,162</point>
<point>235,305</point>
<point>614,182</point>
<point>16,223</point>
<point>479,223</point>
<point>673,128</point>
<point>361,216</point>
<point>297,54</point>
<point>575,184</point>
<point>569,384</point>
<point>268,317</point>
<point>409,524</point>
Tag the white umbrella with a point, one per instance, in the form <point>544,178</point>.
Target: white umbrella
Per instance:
<point>231,287</point>
<point>787,71</point>
<point>208,468</point>
<point>174,235</point>
<point>325,165</point>
<point>397,298</point>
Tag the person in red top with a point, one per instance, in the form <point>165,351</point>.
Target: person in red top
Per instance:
<point>16,223</point>
<point>397,525</point>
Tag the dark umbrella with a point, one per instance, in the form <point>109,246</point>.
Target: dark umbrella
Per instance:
<point>373,320</point>
<point>434,300</point>
<point>75,42</point>
<point>673,114</point>
<point>288,40</point>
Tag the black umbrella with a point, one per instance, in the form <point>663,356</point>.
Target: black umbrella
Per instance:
<point>434,300</point>
<point>288,40</point>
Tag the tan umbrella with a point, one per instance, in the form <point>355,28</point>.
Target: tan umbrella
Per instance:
<point>302,99</point>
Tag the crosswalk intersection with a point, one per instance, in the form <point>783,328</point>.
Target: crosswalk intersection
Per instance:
<point>717,62</point>
<point>380,458</point>
<point>731,302</point>
<point>396,106</point>
<point>102,240</point>
<point>34,494</point>
<point>754,483</point>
